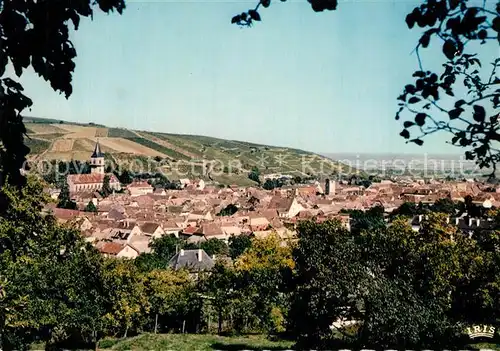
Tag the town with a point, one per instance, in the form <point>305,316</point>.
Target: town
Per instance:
<point>124,224</point>
<point>262,175</point>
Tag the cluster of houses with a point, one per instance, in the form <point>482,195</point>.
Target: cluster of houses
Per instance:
<point>127,222</point>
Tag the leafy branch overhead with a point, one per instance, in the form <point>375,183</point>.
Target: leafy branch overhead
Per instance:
<point>464,98</point>
<point>36,33</point>
<point>247,18</point>
<point>468,87</point>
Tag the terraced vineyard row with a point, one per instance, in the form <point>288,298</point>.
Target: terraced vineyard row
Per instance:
<point>152,145</point>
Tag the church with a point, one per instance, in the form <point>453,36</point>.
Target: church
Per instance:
<point>94,180</point>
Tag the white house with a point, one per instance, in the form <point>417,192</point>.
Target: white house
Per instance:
<point>140,188</point>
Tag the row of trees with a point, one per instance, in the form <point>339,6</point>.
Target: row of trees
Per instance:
<point>56,288</point>
<point>443,205</point>
<point>405,288</point>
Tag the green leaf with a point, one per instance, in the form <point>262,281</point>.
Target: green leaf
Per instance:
<point>425,39</point>
<point>410,20</point>
<point>405,134</point>
<point>420,119</point>
<point>479,113</point>
<point>254,15</point>
<point>450,49</point>
<point>413,100</point>
<point>496,24</point>
<point>419,142</point>
<point>455,113</point>
<point>408,124</point>
<point>265,3</point>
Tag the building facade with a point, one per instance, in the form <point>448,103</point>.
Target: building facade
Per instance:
<point>95,179</point>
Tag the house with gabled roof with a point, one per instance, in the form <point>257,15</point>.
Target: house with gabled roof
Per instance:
<point>287,207</point>
<point>188,232</point>
<point>205,215</point>
<point>210,231</point>
<point>171,228</point>
<point>64,215</point>
<point>138,188</point>
<point>484,199</point>
<point>258,223</point>
<point>193,260</point>
<point>109,249</point>
<point>152,229</point>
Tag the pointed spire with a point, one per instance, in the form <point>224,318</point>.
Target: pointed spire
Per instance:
<point>97,150</point>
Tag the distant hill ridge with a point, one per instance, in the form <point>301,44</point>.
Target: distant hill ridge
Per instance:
<point>51,139</point>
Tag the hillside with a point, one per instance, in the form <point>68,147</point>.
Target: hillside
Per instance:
<point>181,155</point>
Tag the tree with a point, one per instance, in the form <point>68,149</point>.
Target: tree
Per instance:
<point>166,246</point>
<point>172,299</point>
<point>91,207</point>
<point>229,210</point>
<point>430,102</point>
<point>433,282</point>
<point>35,34</point>
<point>215,247</point>
<point>408,209</point>
<point>106,188</point>
<point>268,252</point>
<point>367,220</point>
<point>444,205</point>
<point>220,286</point>
<point>417,267</point>
<point>147,262</point>
<point>270,184</point>
<point>254,175</point>
<point>57,172</point>
<point>125,177</point>
<point>64,199</point>
<point>324,286</point>
<point>262,272</point>
<point>238,245</point>
<point>124,294</point>
<point>51,279</point>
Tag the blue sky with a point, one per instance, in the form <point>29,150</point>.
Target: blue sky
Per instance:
<point>324,82</point>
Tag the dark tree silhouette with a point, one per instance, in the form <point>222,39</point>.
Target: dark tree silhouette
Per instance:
<point>35,34</point>
<point>64,199</point>
<point>429,104</point>
<point>238,245</point>
<point>106,188</point>
<point>229,210</point>
<point>90,207</point>
<point>254,175</point>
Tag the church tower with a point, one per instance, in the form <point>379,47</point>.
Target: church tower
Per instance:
<point>97,160</point>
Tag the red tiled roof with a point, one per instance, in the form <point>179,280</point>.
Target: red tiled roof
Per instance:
<point>190,230</point>
<point>62,213</point>
<point>210,229</point>
<point>111,248</point>
<point>91,178</point>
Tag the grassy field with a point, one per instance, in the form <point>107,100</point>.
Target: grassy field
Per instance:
<point>192,342</point>
<point>204,342</point>
<point>37,146</point>
<point>201,342</point>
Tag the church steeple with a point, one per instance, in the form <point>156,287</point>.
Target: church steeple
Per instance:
<point>97,151</point>
<point>97,160</point>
